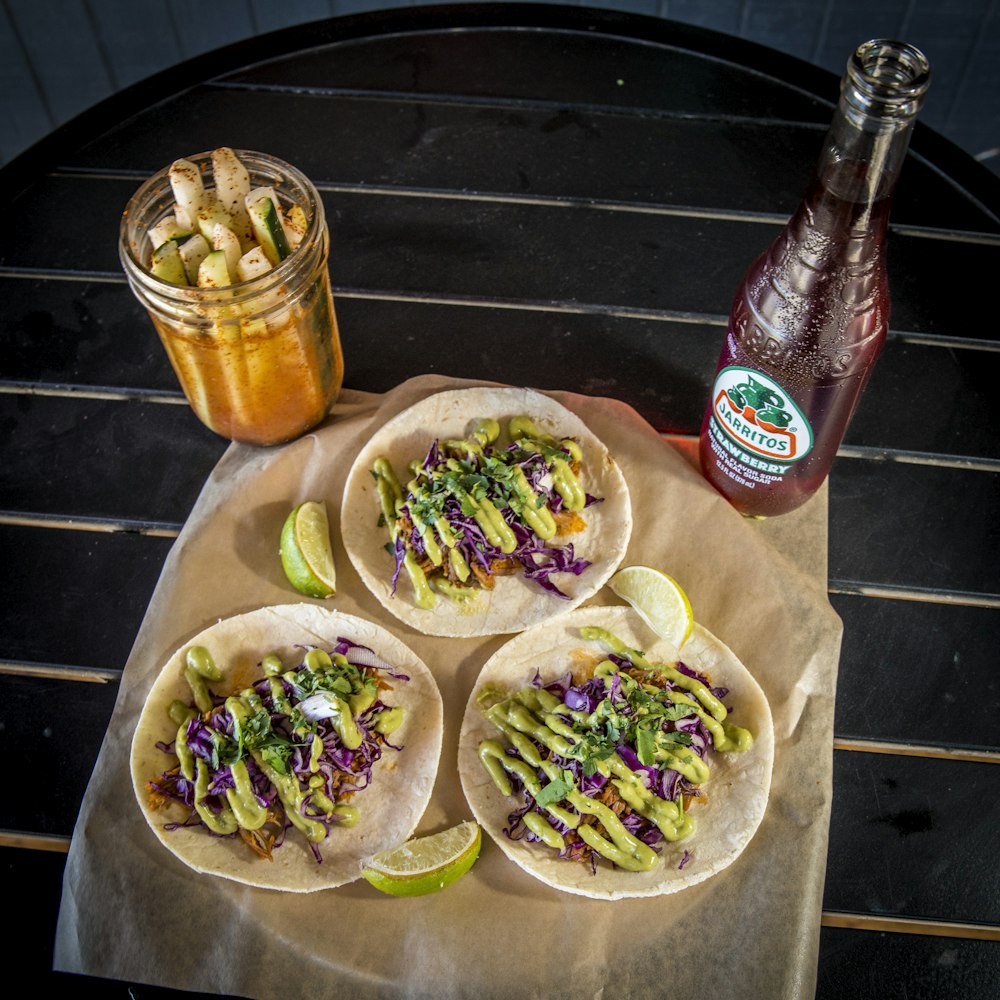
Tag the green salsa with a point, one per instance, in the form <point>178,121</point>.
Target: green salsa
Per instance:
<point>607,766</point>
<point>291,749</point>
<point>474,509</point>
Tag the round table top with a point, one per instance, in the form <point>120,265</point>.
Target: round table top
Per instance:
<point>567,198</point>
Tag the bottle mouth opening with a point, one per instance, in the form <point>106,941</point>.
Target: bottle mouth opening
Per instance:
<point>887,78</point>
<point>884,64</point>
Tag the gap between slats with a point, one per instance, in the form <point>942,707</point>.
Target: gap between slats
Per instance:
<point>53,671</point>
<point>154,529</point>
<point>59,672</point>
<point>503,103</point>
<point>555,201</point>
<point>910,925</point>
<point>471,302</point>
<point>917,750</point>
<point>838,919</point>
<point>926,596</point>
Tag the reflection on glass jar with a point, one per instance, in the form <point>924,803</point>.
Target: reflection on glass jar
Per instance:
<point>260,360</point>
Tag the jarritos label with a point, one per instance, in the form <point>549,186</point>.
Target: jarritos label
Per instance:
<point>756,415</point>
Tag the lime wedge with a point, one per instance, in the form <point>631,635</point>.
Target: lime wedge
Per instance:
<point>425,864</point>
<point>306,553</point>
<point>658,599</point>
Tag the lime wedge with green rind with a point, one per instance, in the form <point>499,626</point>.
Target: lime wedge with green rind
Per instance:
<point>425,864</point>
<point>306,551</point>
<point>658,599</point>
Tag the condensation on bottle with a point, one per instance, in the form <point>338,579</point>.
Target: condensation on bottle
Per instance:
<point>811,315</point>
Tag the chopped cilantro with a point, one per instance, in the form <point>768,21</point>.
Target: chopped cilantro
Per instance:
<point>555,791</point>
<point>682,739</point>
<point>645,746</point>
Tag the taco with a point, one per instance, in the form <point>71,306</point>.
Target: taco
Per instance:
<point>609,772</point>
<point>484,511</point>
<point>281,747</point>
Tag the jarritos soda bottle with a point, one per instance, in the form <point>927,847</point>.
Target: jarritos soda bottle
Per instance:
<point>811,315</point>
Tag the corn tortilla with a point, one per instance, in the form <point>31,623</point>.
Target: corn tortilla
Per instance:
<point>516,603</point>
<point>736,791</point>
<point>401,782</point>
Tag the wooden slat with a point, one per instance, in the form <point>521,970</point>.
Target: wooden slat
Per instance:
<point>916,672</point>
<point>51,729</point>
<point>913,838</point>
<point>67,346</point>
<point>110,459</point>
<point>961,418</point>
<point>516,65</point>
<point>75,598</point>
<point>640,157</point>
<point>951,736</point>
<point>908,526</point>
<point>890,813</point>
<point>90,334</point>
<point>855,963</point>
<point>462,147</point>
<point>160,476</point>
<point>36,878</point>
<point>862,964</point>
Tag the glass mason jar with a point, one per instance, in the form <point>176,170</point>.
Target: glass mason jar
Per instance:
<point>260,360</point>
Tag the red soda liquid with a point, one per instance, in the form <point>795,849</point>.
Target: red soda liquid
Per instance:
<point>807,325</point>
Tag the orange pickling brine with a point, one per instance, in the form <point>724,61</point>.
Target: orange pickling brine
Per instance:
<point>236,282</point>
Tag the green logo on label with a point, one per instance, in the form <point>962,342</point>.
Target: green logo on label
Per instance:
<point>757,414</point>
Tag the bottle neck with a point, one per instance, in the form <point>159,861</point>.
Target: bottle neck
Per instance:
<point>880,96</point>
<point>861,166</point>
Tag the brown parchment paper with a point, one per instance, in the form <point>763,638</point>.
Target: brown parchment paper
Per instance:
<point>131,911</point>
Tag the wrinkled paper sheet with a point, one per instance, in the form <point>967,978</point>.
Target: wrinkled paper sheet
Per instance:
<point>130,910</point>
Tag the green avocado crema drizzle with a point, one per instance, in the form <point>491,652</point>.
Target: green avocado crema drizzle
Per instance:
<point>543,744</point>
<point>485,481</point>
<point>278,724</point>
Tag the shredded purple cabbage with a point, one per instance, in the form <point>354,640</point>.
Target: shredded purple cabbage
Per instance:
<point>538,560</point>
<point>343,770</point>
<point>661,780</point>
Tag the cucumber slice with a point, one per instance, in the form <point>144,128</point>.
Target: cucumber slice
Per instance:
<point>166,264</point>
<point>267,226</point>
<point>193,252</point>
<point>213,273</point>
<point>168,229</point>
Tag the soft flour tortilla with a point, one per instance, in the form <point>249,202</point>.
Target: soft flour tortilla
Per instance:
<point>516,603</point>
<point>736,791</point>
<point>389,807</point>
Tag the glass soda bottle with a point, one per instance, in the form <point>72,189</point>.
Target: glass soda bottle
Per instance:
<point>811,314</point>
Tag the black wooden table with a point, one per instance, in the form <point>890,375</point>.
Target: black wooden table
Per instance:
<point>538,195</point>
